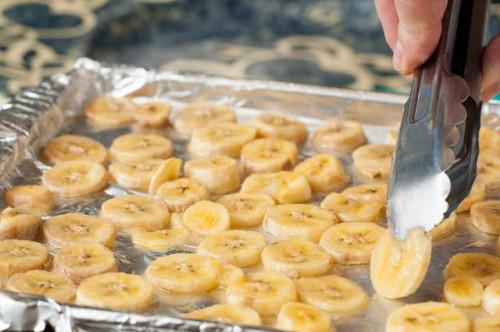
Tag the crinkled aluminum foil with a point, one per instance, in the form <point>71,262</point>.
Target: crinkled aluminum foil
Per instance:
<point>54,107</point>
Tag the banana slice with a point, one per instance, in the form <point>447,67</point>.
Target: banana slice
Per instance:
<point>152,114</point>
<point>219,174</point>
<point>246,210</point>
<point>116,290</point>
<point>463,291</point>
<point>373,161</point>
<point>229,274</point>
<point>489,163</point>
<point>428,317</point>
<point>444,229</point>
<point>477,194</point>
<point>183,273</point>
<point>82,260</point>
<point>109,112</point>
<point>31,199</point>
<point>334,294</point>
<point>369,192</point>
<point>264,292</point>
<point>45,283</point>
<point>131,212</point>
<point>296,258</point>
<point>18,256</point>
<point>351,243</point>
<point>134,174</point>
<point>325,173</point>
<point>486,216</point>
<point>486,324</point>
<point>227,313</point>
<point>488,139</point>
<point>179,194</point>
<point>206,218</point>
<point>160,240</point>
<point>74,148</point>
<point>75,178</point>
<point>197,115</point>
<point>239,248</point>
<point>482,267</point>
<point>267,155</point>
<point>397,268</point>
<point>338,136</point>
<point>295,316</point>
<point>491,298</point>
<point>350,209</point>
<point>284,187</point>
<point>280,126</point>
<point>16,225</point>
<point>302,221</point>
<point>220,138</point>
<point>168,170</point>
<point>134,147</point>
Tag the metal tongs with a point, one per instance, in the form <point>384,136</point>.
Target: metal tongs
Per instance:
<point>436,152</point>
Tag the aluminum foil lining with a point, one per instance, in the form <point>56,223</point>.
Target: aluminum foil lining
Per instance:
<point>54,107</point>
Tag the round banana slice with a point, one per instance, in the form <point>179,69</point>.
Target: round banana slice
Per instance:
<point>267,155</point>
<point>40,282</point>
<point>264,292</point>
<point>160,240</point>
<point>152,114</point>
<point>302,221</point>
<point>334,294</point>
<point>75,178</point>
<point>486,324</point>
<point>134,174</point>
<point>116,290</point>
<point>206,218</point>
<point>296,258</point>
<point>134,147</point>
<point>184,273</point>
<point>16,225</point>
<point>480,266</point>
<point>229,274</point>
<point>197,115</point>
<point>350,209</point>
<point>295,316</point>
<point>82,260</point>
<point>74,148</point>
<point>179,194</point>
<point>338,136</point>
<point>486,216</point>
<point>246,210</point>
<point>227,313</point>
<point>284,187</point>
<point>397,268</point>
<point>109,112</point>
<point>491,298</point>
<point>168,170</point>
<point>239,248</point>
<point>219,174</point>
<point>78,228</point>
<point>477,194</point>
<point>444,229</point>
<point>280,126</point>
<point>463,291</point>
<point>18,256</point>
<point>429,317</point>
<point>369,192</point>
<point>325,173</point>
<point>488,138</point>
<point>351,243</point>
<point>131,212</point>
<point>489,163</point>
<point>373,161</point>
<point>32,199</point>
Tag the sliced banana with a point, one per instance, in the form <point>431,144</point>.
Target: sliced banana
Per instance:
<point>489,163</point>
<point>32,199</point>
<point>116,290</point>
<point>160,240</point>
<point>373,161</point>
<point>206,218</point>
<point>444,229</point>
<point>477,194</point>
<point>350,209</point>
<point>351,243</point>
<point>491,298</point>
<point>480,266</point>
<point>369,192</point>
<point>16,225</point>
<point>488,139</point>
<point>40,282</point>
<point>266,155</point>
<point>246,210</point>
<point>227,313</point>
<point>179,194</point>
<point>280,126</point>
<point>74,148</point>
<point>284,187</point>
<point>486,324</point>
<point>131,212</point>
<point>428,317</point>
<point>325,173</point>
<point>109,112</point>
<point>152,114</point>
<point>486,216</point>
<point>463,291</point>
<point>295,316</point>
<point>397,268</point>
<point>134,174</point>
<point>134,147</point>
<point>75,178</point>
<point>197,115</point>
<point>302,221</point>
<point>219,174</point>
<point>18,256</point>
<point>168,170</point>
<point>338,136</point>
<point>228,275</point>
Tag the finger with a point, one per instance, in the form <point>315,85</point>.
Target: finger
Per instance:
<point>491,69</point>
<point>387,14</point>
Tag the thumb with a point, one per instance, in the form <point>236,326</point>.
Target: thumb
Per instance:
<point>491,69</point>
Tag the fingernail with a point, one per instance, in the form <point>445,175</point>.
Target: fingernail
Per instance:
<point>397,58</point>
<point>490,91</point>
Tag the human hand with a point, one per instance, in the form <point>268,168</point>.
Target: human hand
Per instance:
<point>413,28</point>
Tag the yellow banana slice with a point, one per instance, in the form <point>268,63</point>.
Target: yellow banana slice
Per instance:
<point>264,292</point>
<point>168,170</point>
<point>32,199</point>
<point>131,212</point>
<point>463,291</point>
<point>219,174</point>
<point>284,187</point>
<point>296,258</point>
<point>334,294</point>
<point>351,243</point>
<point>489,163</point>
<point>488,138</point>
<point>228,275</point>
<point>428,317</point>
<point>206,218</point>
<point>152,114</point>
<point>373,161</point>
<point>160,240</point>
<point>280,126</point>
<point>295,316</point>
<point>350,209</point>
<point>116,290</point>
<point>179,194</point>
<point>266,155</point>
<point>18,256</point>
<point>40,282</point>
<point>338,136</point>
<point>444,229</point>
<point>134,147</point>
<point>302,221</point>
<point>367,192</point>
<point>246,210</point>
<point>15,225</point>
<point>477,194</point>
<point>486,216</point>
<point>480,266</point>
<point>491,298</point>
<point>325,173</point>
<point>134,174</point>
<point>227,313</point>
<point>82,260</point>
<point>75,178</point>
<point>197,115</point>
<point>486,324</point>
<point>397,268</point>
<point>109,112</point>
<point>74,148</point>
